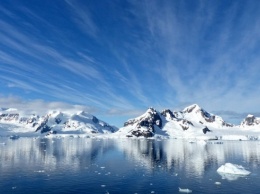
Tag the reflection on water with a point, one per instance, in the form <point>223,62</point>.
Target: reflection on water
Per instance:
<point>84,164</point>
<point>193,159</point>
<point>51,153</point>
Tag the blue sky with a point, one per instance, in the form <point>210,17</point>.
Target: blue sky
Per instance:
<point>117,58</point>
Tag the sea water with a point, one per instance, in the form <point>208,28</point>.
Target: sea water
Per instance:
<point>83,165</point>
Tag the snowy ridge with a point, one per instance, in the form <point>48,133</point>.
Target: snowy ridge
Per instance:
<point>191,122</point>
<point>54,122</point>
<point>197,114</point>
<point>250,121</point>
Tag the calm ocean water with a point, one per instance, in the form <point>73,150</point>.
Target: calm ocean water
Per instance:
<point>81,165</point>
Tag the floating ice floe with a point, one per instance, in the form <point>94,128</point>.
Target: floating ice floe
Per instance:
<point>185,190</point>
<point>232,172</point>
<point>230,168</point>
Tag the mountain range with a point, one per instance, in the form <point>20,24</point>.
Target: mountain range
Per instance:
<point>54,122</point>
<point>191,122</point>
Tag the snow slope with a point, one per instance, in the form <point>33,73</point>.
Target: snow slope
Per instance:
<point>192,122</point>
<point>51,123</point>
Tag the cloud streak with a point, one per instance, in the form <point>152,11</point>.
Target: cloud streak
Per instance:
<point>83,18</point>
<point>203,61</point>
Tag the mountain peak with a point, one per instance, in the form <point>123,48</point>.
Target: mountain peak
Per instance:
<point>191,108</point>
<point>148,120</point>
<point>250,120</point>
<point>151,110</point>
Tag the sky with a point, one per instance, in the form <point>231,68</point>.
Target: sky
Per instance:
<point>116,58</point>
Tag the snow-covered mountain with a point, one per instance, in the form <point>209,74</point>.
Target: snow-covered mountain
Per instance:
<point>192,122</point>
<point>146,124</point>
<point>54,122</point>
<point>199,115</point>
<point>250,121</point>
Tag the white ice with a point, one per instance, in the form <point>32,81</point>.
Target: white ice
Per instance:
<point>185,190</point>
<point>230,168</point>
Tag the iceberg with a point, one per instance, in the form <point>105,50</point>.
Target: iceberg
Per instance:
<point>230,168</point>
<point>232,172</point>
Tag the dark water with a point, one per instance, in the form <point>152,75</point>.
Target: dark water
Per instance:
<point>81,165</point>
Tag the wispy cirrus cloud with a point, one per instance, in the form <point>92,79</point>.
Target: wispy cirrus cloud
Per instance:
<point>44,55</point>
<point>202,60</point>
<point>133,55</point>
<point>82,17</point>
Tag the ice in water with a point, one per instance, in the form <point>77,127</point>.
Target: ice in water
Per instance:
<point>230,168</point>
<point>185,190</point>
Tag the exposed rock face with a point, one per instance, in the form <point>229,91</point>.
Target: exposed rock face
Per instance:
<point>227,124</point>
<point>9,117</point>
<point>57,120</point>
<point>205,130</point>
<point>43,127</point>
<point>94,119</point>
<point>148,120</point>
<point>191,108</point>
<point>185,124</point>
<point>168,114</point>
<point>250,120</point>
<point>208,117</point>
<point>139,133</point>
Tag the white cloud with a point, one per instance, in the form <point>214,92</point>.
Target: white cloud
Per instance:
<point>41,107</point>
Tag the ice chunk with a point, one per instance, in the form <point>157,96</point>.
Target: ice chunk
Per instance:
<point>185,190</point>
<point>230,168</point>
